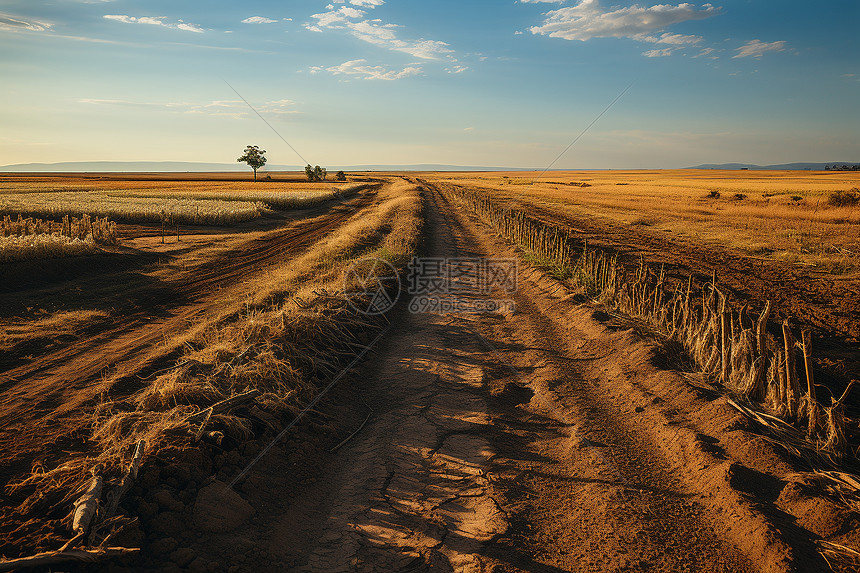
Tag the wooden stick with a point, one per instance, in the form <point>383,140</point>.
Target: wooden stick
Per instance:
<point>56,557</point>
<point>758,390</point>
<point>113,498</point>
<point>725,344</point>
<point>811,402</point>
<point>782,386</point>
<point>87,505</point>
<point>790,370</point>
<point>223,406</point>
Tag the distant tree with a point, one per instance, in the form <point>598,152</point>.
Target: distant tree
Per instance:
<point>254,157</point>
<point>315,173</point>
<point>340,176</point>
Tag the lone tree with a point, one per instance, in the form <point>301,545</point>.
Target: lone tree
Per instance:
<point>315,173</point>
<point>340,176</point>
<point>254,157</point>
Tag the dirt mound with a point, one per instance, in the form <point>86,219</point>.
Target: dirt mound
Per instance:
<point>219,509</point>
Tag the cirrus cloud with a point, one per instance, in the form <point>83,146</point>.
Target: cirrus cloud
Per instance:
<point>360,69</point>
<point>756,48</point>
<point>9,22</point>
<point>589,19</point>
<point>155,21</point>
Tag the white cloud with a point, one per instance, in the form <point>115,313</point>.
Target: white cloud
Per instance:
<point>190,27</point>
<point>258,20</point>
<point>367,3</point>
<point>658,53</point>
<point>376,32</point>
<point>589,20</point>
<point>8,22</point>
<point>755,48</point>
<point>333,18</point>
<point>706,52</point>
<point>155,21</point>
<point>228,108</point>
<point>674,39</point>
<point>359,68</point>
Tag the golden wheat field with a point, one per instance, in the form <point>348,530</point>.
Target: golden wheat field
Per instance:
<point>783,215</point>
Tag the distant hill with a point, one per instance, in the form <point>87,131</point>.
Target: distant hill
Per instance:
<point>187,166</point>
<point>789,166</point>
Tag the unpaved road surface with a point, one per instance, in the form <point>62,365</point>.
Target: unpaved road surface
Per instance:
<point>552,438</point>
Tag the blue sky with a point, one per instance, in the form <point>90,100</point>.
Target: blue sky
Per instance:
<point>494,83</point>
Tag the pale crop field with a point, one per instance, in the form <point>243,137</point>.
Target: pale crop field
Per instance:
<point>205,203</point>
<point>131,209</point>
<point>33,247</point>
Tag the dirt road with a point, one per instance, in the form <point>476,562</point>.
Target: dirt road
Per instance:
<point>552,438</point>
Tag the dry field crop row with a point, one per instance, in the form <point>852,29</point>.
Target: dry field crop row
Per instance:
<point>100,230</point>
<point>32,239</point>
<point>199,204</point>
<point>780,215</point>
<point>729,345</point>
<point>34,247</point>
<point>131,209</point>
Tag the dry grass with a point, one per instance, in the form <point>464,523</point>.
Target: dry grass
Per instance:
<point>100,230</point>
<point>35,247</point>
<point>280,333</point>
<point>286,198</point>
<point>130,209</point>
<point>208,203</point>
<point>768,222</point>
<point>728,344</point>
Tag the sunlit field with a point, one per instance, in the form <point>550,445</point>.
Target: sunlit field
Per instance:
<point>784,215</point>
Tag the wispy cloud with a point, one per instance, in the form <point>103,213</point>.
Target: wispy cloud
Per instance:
<point>658,53</point>
<point>589,19</point>
<point>9,22</point>
<point>375,31</point>
<point>230,108</point>
<point>258,20</point>
<point>756,48</point>
<point>361,70</point>
<point>155,21</point>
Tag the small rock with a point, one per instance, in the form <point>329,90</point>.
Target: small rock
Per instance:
<point>167,524</point>
<point>147,509</point>
<point>233,458</point>
<point>149,477</point>
<point>166,501</point>
<point>183,556</point>
<point>220,509</point>
<point>199,565</point>
<point>163,546</point>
